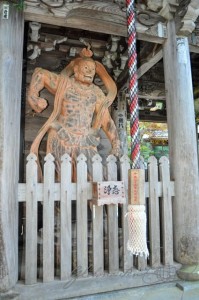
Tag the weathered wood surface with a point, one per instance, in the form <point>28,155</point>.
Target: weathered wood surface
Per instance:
<point>95,285</point>
<point>183,147</point>
<point>127,257</point>
<point>109,192</point>
<point>50,193</point>
<point>22,191</point>
<point>112,214</point>
<point>110,22</point>
<point>99,16</point>
<point>186,20</point>
<point>97,215</point>
<point>82,226</point>
<point>154,217</point>
<point>166,208</point>
<point>136,187</point>
<point>101,26</point>
<point>48,219</point>
<point>150,63</point>
<point>11,45</point>
<point>31,225</point>
<point>65,213</point>
<point>110,18</point>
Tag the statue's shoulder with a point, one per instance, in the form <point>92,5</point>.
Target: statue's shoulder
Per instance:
<point>98,90</point>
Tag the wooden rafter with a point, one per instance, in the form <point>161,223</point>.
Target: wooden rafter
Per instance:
<point>150,63</point>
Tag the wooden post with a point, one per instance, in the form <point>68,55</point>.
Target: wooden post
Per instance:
<point>136,187</point>
<point>183,151</point>
<point>11,50</point>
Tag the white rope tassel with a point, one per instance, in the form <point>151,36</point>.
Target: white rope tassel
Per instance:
<point>137,230</point>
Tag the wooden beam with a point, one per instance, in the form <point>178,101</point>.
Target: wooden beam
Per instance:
<point>142,36</point>
<point>151,97</point>
<point>97,22</point>
<point>149,64</point>
<point>193,48</point>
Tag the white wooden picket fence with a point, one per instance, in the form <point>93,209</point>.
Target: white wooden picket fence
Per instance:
<point>158,191</point>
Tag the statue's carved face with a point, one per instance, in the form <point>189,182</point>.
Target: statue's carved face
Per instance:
<point>85,71</point>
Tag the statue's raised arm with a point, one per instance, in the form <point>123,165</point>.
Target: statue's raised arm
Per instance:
<point>41,78</point>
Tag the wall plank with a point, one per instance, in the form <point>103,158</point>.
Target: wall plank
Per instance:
<point>11,49</point>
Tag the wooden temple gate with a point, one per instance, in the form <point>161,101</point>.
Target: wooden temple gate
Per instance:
<point>96,246</point>
<point>183,163</point>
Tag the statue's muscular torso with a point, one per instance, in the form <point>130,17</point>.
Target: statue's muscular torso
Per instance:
<point>78,106</point>
<point>73,128</point>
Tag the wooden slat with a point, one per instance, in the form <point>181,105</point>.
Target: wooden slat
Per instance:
<point>142,260</point>
<point>98,257</point>
<point>154,219</point>
<point>48,219</point>
<point>82,228</point>
<point>65,207</point>
<point>113,247</point>
<point>31,221</point>
<point>166,206</point>
<point>127,257</point>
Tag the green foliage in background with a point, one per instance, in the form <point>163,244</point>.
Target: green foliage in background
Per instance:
<point>146,150</point>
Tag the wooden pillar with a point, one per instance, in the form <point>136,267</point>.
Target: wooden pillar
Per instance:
<point>183,151</point>
<point>11,49</point>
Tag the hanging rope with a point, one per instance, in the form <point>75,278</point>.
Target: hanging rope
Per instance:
<point>136,215</point>
<point>133,85</point>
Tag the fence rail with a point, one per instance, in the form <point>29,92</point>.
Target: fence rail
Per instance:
<point>95,241</point>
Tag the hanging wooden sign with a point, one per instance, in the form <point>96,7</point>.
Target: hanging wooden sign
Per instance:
<point>108,192</point>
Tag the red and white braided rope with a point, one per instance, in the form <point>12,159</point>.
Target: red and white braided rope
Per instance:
<point>133,85</point>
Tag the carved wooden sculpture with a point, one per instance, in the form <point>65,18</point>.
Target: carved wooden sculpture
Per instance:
<point>80,109</point>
